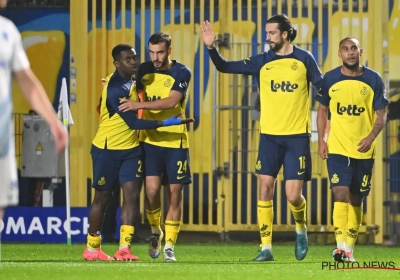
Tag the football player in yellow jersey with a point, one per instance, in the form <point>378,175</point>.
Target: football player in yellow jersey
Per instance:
<point>355,97</point>
<point>283,73</point>
<point>164,82</point>
<point>116,155</point>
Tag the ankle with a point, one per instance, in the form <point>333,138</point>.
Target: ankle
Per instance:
<point>301,229</point>
<point>168,247</point>
<point>156,230</point>
<point>266,247</point>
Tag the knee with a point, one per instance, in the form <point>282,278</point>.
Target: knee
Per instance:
<point>340,194</point>
<point>132,197</point>
<point>102,198</point>
<point>152,193</point>
<point>295,199</point>
<point>356,200</point>
<point>266,191</point>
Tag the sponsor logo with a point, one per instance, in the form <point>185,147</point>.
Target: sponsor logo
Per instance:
<point>284,86</point>
<point>351,110</point>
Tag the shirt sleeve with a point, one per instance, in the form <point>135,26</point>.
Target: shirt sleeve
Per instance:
<point>249,66</point>
<point>323,93</point>
<point>129,117</point>
<point>182,82</point>
<point>19,59</point>
<point>380,98</point>
<point>313,72</point>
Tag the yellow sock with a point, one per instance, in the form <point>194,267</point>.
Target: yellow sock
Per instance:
<point>171,232</point>
<point>340,217</point>
<point>93,241</point>
<point>265,212</point>
<point>154,219</point>
<point>299,215</point>
<point>355,214</point>
<point>125,236</point>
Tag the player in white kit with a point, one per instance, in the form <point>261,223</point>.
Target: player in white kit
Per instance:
<point>14,63</point>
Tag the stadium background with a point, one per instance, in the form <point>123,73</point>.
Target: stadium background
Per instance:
<point>64,37</point>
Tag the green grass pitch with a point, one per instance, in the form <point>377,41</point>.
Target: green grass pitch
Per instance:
<point>195,261</point>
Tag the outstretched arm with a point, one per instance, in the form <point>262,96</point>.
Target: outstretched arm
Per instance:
<point>247,66</point>
<point>178,91</point>
<point>133,121</point>
<point>162,104</point>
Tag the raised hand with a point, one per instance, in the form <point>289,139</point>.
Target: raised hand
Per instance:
<point>208,35</point>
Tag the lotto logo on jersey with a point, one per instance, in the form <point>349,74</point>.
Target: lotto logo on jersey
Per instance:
<point>284,86</point>
<point>351,110</point>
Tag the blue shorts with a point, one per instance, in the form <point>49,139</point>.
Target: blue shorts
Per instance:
<point>349,172</point>
<point>108,169</point>
<point>290,151</point>
<point>172,164</point>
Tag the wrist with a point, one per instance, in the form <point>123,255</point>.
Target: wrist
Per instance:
<point>210,47</point>
<point>372,137</point>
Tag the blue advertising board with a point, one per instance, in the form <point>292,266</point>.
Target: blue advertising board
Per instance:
<point>44,225</point>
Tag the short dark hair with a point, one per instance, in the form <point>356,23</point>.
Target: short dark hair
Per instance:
<point>347,38</point>
<point>284,24</point>
<point>116,51</point>
<point>160,37</point>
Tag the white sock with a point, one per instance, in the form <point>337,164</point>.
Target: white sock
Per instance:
<point>156,230</point>
<point>266,247</point>
<point>167,246</point>
<point>91,250</point>
<point>122,247</point>
<point>341,245</point>
<point>349,248</point>
<point>301,230</point>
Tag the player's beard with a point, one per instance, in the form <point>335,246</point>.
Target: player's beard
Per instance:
<point>277,46</point>
<point>351,66</point>
<point>162,64</point>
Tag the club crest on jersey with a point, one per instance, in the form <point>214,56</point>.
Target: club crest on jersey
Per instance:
<point>364,91</point>
<point>167,83</point>
<point>284,86</point>
<point>295,66</point>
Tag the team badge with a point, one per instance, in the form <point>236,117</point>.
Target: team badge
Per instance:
<point>335,179</point>
<point>167,83</point>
